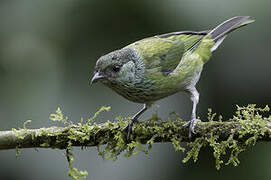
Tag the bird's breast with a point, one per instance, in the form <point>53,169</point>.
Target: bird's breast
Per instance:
<point>142,92</point>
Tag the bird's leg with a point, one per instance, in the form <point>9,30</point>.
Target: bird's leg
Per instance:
<point>134,119</point>
<point>194,96</point>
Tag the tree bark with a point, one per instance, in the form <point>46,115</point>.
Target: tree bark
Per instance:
<point>60,137</point>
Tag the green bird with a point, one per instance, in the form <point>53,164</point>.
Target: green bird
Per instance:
<point>157,67</point>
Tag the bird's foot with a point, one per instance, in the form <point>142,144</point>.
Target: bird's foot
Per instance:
<point>129,127</point>
<point>191,125</point>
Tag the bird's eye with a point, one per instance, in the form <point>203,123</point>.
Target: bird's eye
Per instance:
<point>116,68</point>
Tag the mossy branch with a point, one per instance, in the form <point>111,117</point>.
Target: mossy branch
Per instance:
<point>60,137</point>
<point>227,138</point>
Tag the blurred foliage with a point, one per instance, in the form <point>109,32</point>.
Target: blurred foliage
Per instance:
<point>48,50</point>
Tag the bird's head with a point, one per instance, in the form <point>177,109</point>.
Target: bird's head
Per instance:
<point>118,67</point>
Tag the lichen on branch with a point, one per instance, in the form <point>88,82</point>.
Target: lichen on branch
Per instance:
<point>227,139</point>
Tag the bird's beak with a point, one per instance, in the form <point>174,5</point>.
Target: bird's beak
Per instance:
<point>96,77</point>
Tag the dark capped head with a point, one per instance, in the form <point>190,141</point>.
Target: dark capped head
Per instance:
<point>120,66</point>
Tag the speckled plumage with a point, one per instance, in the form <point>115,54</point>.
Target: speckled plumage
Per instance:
<point>156,67</point>
<point>149,59</point>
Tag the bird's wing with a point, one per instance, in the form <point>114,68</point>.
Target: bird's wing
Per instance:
<point>162,53</point>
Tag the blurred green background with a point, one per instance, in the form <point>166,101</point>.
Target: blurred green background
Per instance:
<point>47,53</point>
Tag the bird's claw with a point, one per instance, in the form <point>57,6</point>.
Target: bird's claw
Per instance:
<point>191,125</point>
<point>129,127</point>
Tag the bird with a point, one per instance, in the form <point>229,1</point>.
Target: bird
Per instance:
<point>156,67</point>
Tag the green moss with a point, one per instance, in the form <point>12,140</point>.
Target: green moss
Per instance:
<point>18,152</point>
<point>72,171</point>
<point>244,129</point>
<point>176,144</point>
<point>17,133</point>
<point>58,116</point>
<point>195,147</point>
<point>251,127</point>
<point>102,109</point>
<point>20,135</point>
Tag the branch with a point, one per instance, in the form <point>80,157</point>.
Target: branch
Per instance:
<point>59,137</point>
<point>247,127</point>
<point>160,131</point>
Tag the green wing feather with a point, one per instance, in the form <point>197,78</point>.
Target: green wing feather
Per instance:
<point>161,54</point>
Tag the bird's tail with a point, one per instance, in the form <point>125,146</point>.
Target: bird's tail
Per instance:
<point>219,33</point>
